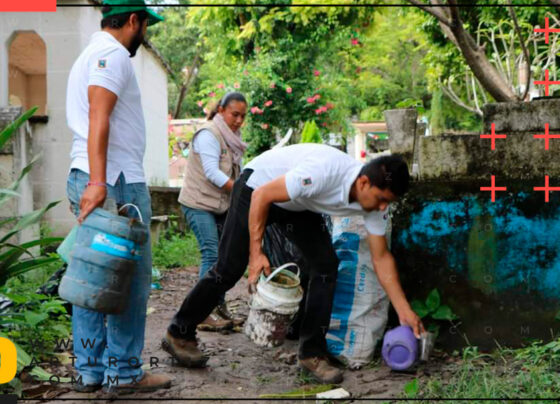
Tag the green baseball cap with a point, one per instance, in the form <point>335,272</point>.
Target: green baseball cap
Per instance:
<point>129,6</point>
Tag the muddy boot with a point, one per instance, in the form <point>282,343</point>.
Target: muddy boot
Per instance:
<point>215,323</point>
<point>321,370</point>
<point>223,312</point>
<point>149,382</point>
<point>185,352</point>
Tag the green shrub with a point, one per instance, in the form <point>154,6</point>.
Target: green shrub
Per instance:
<point>176,250</point>
<point>310,133</point>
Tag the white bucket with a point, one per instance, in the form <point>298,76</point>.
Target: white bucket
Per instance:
<point>273,307</point>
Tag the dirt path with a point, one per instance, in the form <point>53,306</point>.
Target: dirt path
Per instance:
<point>238,368</point>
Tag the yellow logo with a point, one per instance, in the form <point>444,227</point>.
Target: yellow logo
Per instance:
<point>8,360</point>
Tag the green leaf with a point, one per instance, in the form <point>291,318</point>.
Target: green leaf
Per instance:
<point>16,251</point>
<point>5,191</point>
<point>9,130</point>
<point>444,313</point>
<point>7,221</point>
<point>42,375</point>
<point>300,393</point>
<point>28,220</point>
<point>557,317</point>
<point>419,308</point>
<point>15,184</point>
<point>17,385</point>
<point>23,358</point>
<point>411,388</point>
<point>35,318</point>
<point>25,266</point>
<point>61,329</point>
<point>433,300</point>
<point>433,328</point>
<point>12,318</point>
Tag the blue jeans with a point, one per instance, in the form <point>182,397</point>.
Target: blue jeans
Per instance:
<point>207,228</point>
<point>116,341</point>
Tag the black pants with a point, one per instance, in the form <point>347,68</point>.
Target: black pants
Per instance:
<point>307,230</point>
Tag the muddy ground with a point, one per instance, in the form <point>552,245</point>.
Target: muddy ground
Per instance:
<point>237,367</point>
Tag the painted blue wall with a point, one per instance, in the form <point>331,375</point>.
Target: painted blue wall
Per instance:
<point>497,264</point>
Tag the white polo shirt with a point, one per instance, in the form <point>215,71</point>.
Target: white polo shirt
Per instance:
<point>318,178</point>
<point>106,63</point>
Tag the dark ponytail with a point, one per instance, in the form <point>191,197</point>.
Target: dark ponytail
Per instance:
<point>225,101</point>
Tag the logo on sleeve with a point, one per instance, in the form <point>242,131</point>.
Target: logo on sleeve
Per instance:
<point>306,181</point>
<point>102,63</point>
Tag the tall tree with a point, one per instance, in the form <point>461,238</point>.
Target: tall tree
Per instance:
<point>180,45</point>
<point>462,25</point>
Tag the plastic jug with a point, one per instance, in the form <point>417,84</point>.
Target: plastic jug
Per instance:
<point>400,348</point>
<point>102,261</point>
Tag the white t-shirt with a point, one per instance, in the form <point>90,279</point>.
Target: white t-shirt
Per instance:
<point>318,178</point>
<point>106,63</point>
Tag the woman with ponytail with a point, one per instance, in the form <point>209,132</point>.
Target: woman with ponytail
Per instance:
<point>213,164</point>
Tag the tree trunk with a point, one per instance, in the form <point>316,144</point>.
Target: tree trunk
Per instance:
<point>180,101</point>
<point>475,56</point>
<point>483,70</point>
<point>187,84</point>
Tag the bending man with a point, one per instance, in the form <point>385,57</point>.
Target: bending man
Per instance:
<point>293,186</point>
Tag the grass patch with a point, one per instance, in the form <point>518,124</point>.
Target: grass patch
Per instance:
<point>176,250</point>
<point>525,373</point>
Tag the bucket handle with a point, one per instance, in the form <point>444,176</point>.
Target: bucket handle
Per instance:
<point>135,207</point>
<point>289,264</point>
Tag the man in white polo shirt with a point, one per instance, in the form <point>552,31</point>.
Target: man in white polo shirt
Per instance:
<point>104,113</point>
<point>292,186</point>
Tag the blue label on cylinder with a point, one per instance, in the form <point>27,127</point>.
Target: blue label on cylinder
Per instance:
<point>113,245</point>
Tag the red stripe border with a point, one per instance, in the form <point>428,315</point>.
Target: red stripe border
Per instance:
<point>27,6</point>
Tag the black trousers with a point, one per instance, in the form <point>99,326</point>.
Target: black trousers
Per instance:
<point>307,230</point>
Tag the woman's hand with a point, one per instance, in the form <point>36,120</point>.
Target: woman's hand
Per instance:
<point>257,263</point>
<point>410,318</point>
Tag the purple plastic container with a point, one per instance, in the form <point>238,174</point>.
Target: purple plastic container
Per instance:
<point>400,348</point>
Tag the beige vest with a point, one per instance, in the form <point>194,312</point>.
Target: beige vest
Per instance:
<point>197,191</point>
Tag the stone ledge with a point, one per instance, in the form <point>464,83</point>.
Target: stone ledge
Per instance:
<point>468,157</point>
<point>522,116</point>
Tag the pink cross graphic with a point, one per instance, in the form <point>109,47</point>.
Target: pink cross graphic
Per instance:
<point>546,82</point>
<point>493,136</point>
<point>493,188</point>
<point>546,30</point>
<point>546,188</point>
<point>546,136</point>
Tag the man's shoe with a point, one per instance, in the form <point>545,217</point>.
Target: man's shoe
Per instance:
<point>215,323</point>
<point>185,352</point>
<point>85,388</point>
<point>150,382</point>
<point>223,311</point>
<point>320,369</point>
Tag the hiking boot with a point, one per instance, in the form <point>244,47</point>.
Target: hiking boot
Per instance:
<point>215,323</point>
<point>85,388</point>
<point>185,352</point>
<point>223,311</point>
<point>321,370</point>
<point>149,383</point>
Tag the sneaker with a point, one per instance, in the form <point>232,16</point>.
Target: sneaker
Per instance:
<point>214,323</point>
<point>185,352</point>
<point>321,370</point>
<point>149,383</point>
<point>223,311</point>
<point>85,388</point>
